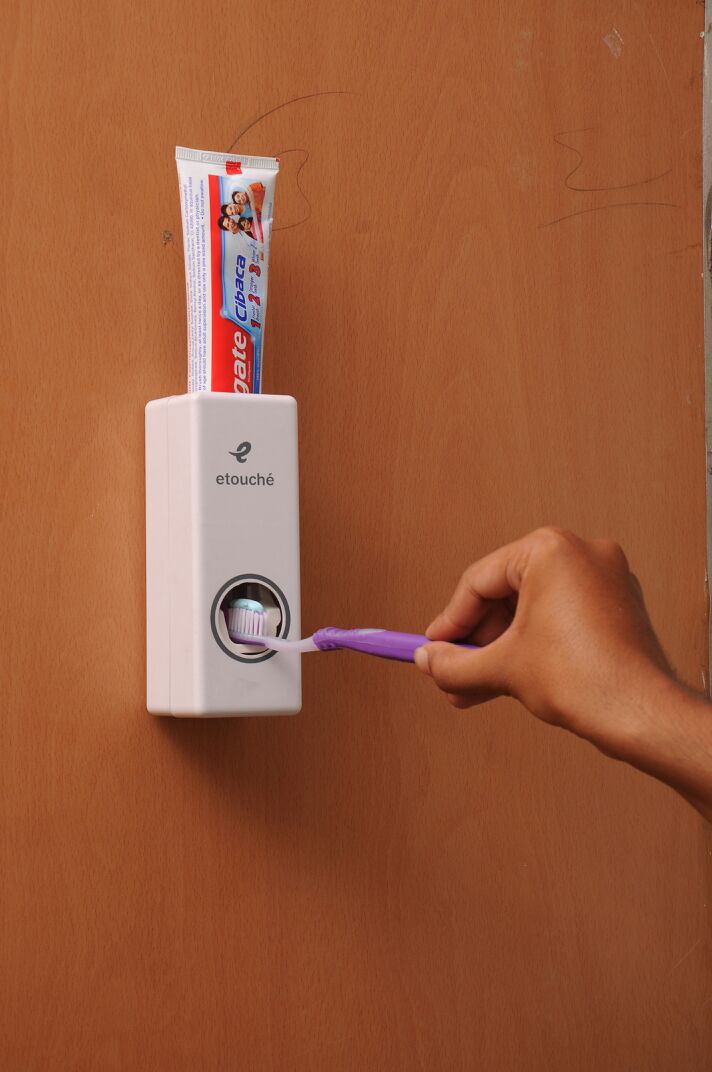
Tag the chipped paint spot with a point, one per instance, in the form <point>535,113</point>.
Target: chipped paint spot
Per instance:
<point>614,42</point>
<point>523,50</point>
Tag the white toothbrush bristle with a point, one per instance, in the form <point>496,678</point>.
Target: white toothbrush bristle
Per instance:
<point>250,623</point>
<point>245,621</point>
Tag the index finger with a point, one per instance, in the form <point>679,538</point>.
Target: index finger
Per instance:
<point>496,576</point>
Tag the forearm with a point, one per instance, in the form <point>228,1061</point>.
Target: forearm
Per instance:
<point>665,730</point>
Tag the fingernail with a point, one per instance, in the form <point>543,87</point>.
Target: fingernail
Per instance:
<point>421,660</point>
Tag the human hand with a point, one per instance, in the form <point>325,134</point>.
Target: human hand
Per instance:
<point>564,629</point>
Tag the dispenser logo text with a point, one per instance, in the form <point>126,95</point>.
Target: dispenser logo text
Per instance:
<point>254,480</point>
<point>241,452</point>
<point>251,480</point>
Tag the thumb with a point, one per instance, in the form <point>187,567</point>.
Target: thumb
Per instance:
<point>461,671</point>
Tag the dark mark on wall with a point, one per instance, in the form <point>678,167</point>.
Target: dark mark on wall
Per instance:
<point>616,204</point>
<point>596,189</point>
<point>601,189</point>
<point>683,249</point>
<point>167,237</point>
<point>285,104</point>
<point>285,152</point>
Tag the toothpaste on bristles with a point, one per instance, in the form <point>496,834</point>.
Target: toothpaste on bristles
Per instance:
<point>227,204</point>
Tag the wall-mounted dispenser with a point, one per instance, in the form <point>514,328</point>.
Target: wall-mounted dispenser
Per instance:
<point>222,522</point>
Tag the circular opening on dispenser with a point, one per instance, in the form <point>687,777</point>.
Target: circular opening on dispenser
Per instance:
<point>262,590</point>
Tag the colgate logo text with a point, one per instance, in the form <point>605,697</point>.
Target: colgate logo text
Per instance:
<point>239,368</point>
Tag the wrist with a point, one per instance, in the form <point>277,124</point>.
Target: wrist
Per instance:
<point>664,728</point>
<point>616,711</point>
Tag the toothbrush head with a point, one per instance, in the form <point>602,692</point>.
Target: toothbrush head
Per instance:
<point>246,624</point>
<point>245,618</point>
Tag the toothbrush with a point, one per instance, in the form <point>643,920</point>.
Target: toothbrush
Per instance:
<point>246,623</point>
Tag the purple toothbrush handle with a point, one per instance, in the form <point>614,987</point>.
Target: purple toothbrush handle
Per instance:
<point>381,642</point>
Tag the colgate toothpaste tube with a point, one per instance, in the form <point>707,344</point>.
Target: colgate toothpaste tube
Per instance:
<point>227,203</point>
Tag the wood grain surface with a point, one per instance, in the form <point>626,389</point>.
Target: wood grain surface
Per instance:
<point>486,295</point>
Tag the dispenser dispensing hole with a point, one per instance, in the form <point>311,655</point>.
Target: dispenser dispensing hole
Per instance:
<point>276,614</point>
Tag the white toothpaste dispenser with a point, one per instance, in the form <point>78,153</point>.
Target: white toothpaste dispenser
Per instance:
<point>222,523</point>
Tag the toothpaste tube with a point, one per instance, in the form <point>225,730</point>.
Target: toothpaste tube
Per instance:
<point>227,203</point>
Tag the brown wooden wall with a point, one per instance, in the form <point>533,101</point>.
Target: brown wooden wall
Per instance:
<point>487,299</point>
